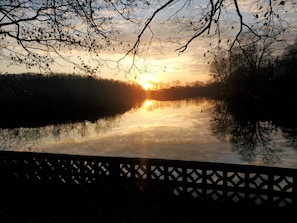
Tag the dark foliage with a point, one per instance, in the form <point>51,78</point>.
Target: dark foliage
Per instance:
<point>27,98</point>
<point>263,89</point>
<point>211,90</point>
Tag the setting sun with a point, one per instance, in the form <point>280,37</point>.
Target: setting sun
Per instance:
<point>148,81</point>
<point>147,85</point>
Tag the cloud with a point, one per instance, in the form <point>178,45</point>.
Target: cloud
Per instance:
<point>170,29</point>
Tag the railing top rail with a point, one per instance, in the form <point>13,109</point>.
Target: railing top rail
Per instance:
<point>150,161</point>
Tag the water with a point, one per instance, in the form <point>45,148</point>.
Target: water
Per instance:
<point>182,130</point>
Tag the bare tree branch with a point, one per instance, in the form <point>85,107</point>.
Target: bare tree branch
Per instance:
<point>54,29</point>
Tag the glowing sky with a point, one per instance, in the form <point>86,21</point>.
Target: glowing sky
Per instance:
<point>158,60</point>
<point>165,66</point>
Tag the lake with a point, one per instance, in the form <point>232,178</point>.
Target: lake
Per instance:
<point>183,130</point>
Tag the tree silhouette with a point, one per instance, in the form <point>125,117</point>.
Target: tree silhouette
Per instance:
<point>42,32</point>
<point>36,32</point>
<point>246,70</point>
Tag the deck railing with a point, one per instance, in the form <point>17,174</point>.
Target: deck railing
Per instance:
<point>158,178</point>
<point>193,182</point>
<point>42,187</point>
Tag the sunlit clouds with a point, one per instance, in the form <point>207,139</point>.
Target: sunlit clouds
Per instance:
<point>136,42</point>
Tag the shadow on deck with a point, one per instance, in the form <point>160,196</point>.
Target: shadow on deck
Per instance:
<point>41,187</point>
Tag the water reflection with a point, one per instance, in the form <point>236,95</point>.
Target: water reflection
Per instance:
<point>253,135</point>
<point>151,105</point>
<point>197,129</point>
<point>28,139</point>
<point>291,136</point>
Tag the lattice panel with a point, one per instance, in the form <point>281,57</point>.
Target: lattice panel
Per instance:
<point>282,183</point>
<point>126,170</point>
<point>214,194</point>
<point>158,172</point>
<point>235,196</point>
<point>63,170</point>
<point>283,201</point>
<point>258,199</point>
<point>195,192</point>
<point>103,168</point>
<point>259,181</point>
<point>141,171</point>
<point>235,179</point>
<point>175,174</point>
<point>218,182</point>
<point>133,170</point>
<point>177,191</point>
<point>194,176</point>
<point>214,177</point>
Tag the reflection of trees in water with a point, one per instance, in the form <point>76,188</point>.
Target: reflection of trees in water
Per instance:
<point>253,139</point>
<point>250,133</point>
<point>162,104</point>
<point>291,136</point>
<point>21,137</point>
<point>29,138</point>
<point>151,105</point>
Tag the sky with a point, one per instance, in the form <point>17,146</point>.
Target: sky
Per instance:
<point>158,59</point>
<point>168,69</point>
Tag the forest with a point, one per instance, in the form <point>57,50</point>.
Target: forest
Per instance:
<point>36,98</point>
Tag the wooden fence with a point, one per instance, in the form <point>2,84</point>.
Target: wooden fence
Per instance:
<point>74,178</point>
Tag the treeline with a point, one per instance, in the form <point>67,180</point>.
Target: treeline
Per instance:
<point>35,97</point>
<point>258,86</point>
<point>249,79</point>
<point>250,73</point>
<point>210,90</point>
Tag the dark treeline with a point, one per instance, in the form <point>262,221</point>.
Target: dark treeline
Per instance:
<point>247,74</point>
<point>211,90</point>
<point>258,86</point>
<point>35,99</point>
<point>250,73</point>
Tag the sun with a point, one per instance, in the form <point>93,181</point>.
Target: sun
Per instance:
<point>148,85</point>
<point>149,81</point>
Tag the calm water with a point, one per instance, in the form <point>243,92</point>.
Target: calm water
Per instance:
<point>183,130</point>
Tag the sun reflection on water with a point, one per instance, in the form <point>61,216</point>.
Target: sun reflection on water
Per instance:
<point>148,103</point>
